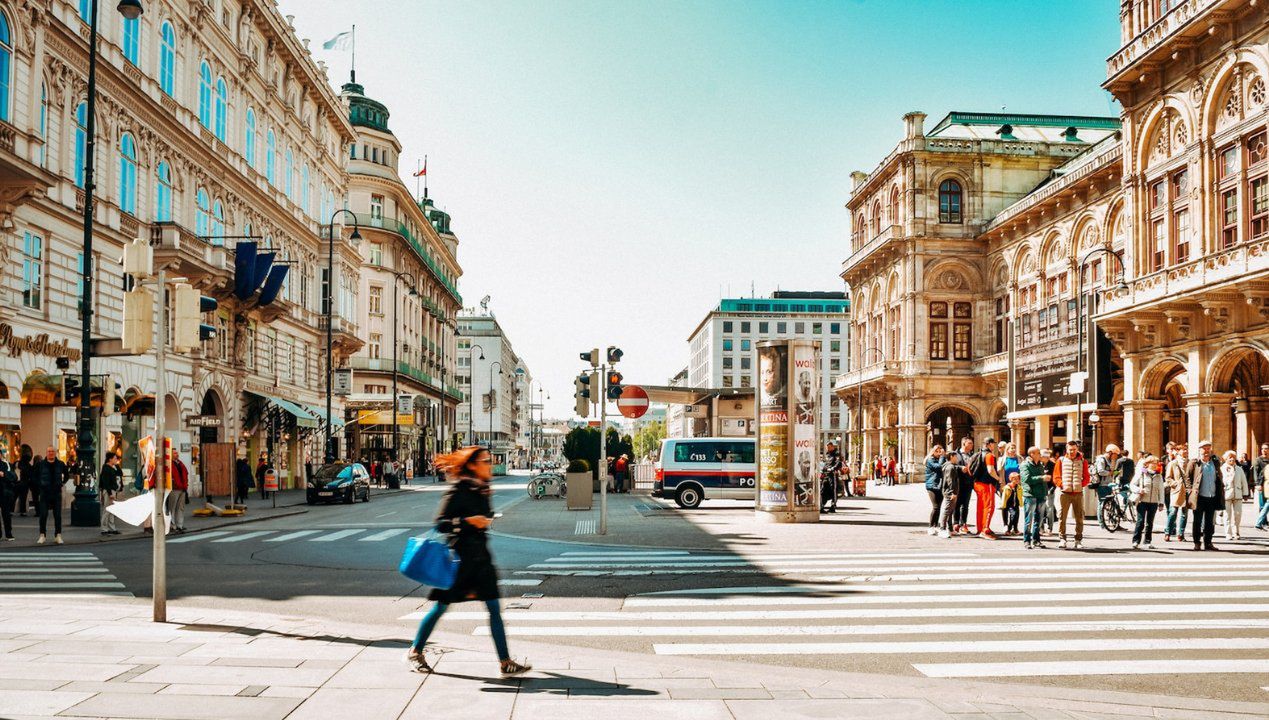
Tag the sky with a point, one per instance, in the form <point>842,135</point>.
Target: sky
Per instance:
<point>614,168</point>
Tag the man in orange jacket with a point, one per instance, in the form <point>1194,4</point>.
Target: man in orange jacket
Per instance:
<point>1070,476</point>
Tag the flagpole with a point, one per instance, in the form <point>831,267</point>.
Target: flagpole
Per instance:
<point>416,179</point>
<point>353,70</point>
<point>425,177</point>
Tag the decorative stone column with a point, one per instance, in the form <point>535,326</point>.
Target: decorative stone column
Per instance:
<point>1257,417</point>
<point>1111,425</point>
<point>1208,418</point>
<point>1143,426</point>
<point>1043,431</point>
<point>1018,434</point>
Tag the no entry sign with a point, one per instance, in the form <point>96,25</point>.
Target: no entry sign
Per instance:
<point>633,402</point>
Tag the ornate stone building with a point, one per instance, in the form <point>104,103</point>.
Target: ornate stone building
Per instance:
<point>969,253</point>
<point>214,123</point>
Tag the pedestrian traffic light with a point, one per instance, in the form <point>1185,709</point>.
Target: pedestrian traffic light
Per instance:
<point>614,384</point>
<point>614,355</point>
<point>70,389</point>
<point>591,356</point>
<point>190,331</point>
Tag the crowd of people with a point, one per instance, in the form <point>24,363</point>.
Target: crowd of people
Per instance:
<point>1041,490</point>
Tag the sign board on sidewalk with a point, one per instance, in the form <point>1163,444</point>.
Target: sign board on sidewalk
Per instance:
<point>633,402</point>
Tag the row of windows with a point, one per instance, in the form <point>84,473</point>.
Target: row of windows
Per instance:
<point>799,328</point>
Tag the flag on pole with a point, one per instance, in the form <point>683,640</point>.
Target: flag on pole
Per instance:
<point>339,42</point>
<point>422,171</point>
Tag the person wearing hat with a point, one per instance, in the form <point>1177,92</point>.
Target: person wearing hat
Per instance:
<point>1103,477</point>
<point>1205,494</point>
<point>465,516</point>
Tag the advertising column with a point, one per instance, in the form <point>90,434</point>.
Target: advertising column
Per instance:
<point>788,383</point>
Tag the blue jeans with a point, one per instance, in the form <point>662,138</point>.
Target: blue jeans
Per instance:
<point>428,624</point>
<point>1033,510</point>
<point>1263,518</point>
<point>1173,514</point>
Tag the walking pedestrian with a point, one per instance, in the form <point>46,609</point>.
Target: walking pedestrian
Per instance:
<point>1035,490</point>
<point>1262,488</point>
<point>1177,497</point>
<point>950,487</point>
<point>1011,503</point>
<point>1235,481</point>
<point>26,484</point>
<point>49,475</point>
<point>1147,489</point>
<point>832,470</point>
<point>8,493</point>
<point>934,486</point>
<point>177,497</point>
<point>465,516</point>
<point>109,483</point>
<point>1205,493</point>
<point>1070,476</point>
<point>892,471</point>
<point>620,471</point>
<point>262,466</point>
<point>982,467</point>
<point>965,489</point>
<point>1050,513</point>
<point>1257,476</point>
<point>242,481</point>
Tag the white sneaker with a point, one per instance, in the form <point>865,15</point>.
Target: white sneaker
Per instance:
<point>41,540</point>
<point>58,539</point>
<point>932,531</point>
<point>1150,546</point>
<point>1079,545</point>
<point>1136,546</point>
<point>944,534</point>
<point>1062,543</point>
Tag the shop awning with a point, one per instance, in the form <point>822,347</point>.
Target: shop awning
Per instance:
<point>319,412</point>
<point>303,418</point>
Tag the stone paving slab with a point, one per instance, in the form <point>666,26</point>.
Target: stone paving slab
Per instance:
<point>349,704</point>
<point>39,702</point>
<point>183,707</point>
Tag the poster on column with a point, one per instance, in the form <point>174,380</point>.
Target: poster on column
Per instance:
<point>805,386</point>
<point>773,432</point>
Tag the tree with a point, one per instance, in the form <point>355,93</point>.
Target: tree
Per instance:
<point>647,439</point>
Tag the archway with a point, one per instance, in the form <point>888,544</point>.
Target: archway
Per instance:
<point>1242,373</point>
<point>946,425</point>
<point>210,407</point>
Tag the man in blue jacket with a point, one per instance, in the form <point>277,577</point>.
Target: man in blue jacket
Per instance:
<point>933,485</point>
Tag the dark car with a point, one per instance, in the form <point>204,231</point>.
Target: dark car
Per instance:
<point>339,481</point>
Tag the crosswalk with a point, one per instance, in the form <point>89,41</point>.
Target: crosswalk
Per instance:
<point>329,535</point>
<point>56,573</point>
<point>952,614</point>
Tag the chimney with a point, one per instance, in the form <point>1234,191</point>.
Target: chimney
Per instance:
<point>914,125</point>
<point>858,178</point>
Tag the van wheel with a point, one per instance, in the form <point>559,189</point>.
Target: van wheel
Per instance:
<point>688,497</point>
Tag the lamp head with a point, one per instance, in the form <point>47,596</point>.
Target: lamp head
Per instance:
<point>356,236</point>
<point>130,9</point>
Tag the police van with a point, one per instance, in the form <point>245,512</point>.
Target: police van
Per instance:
<point>694,469</point>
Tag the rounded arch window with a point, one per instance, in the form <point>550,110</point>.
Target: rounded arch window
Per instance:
<point>950,197</point>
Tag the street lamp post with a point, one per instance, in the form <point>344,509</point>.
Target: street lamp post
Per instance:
<point>330,324</point>
<point>859,401</point>
<point>489,440</point>
<point>87,507</point>
<point>1082,358</point>
<point>471,406</point>
<point>396,282</point>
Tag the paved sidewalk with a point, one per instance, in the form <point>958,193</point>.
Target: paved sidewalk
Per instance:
<point>115,663</point>
<point>289,502</point>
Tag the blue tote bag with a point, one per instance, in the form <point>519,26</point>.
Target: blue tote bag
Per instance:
<point>429,561</point>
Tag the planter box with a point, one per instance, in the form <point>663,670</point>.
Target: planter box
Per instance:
<point>579,490</point>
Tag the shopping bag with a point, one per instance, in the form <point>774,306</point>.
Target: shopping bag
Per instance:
<point>429,561</point>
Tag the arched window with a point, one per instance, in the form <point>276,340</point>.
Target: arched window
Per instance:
<point>6,63</point>
<point>167,59</point>
<point>894,206</point>
<point>81,141</point>
<point>249,146</point>
<point>132,40</point>
<point>306,190</point>
<point>128,174</point>
<point>202,214</point>
<point>950,202</point>
<point>205,95</point>
<point>222,107</point>
<point>218,223</point>
<point>163,193</point>
<point>271,159</point>
<point>290,174</point>
<point>876,218</point>
<point>44,125</point>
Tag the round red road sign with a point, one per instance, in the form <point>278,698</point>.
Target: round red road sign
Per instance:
<point>633,402</point>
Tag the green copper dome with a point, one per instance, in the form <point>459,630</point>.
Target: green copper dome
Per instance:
<point>363,111</point>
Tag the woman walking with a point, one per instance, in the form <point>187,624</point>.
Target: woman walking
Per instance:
<point>934,485</point>
<point>1147,489</point>
<point>1235,490</point>
<point>465,516</point>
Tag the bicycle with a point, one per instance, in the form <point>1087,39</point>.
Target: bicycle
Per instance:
<point>545,484</point>
<point>1113,509</point>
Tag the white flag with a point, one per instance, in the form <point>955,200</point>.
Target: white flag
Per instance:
<point>339,42</point>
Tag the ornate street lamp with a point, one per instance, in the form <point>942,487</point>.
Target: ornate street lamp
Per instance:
<point>330,323</point>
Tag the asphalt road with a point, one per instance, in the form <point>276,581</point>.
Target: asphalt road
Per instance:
<point>1170,621</point>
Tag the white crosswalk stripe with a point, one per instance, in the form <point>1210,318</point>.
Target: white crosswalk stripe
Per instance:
<point>384,535</point>
<point>56,573</point>
<point>325,535</point>
<point>1012,615</point>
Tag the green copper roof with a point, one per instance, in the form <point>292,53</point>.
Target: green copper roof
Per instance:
<point>1062,121</point>
<point>363,111</point>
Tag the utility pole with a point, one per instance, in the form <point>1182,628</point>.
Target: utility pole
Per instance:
<point>157,524</point>
<point>603,450</point>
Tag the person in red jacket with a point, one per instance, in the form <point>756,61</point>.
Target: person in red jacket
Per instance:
<point>177,498</point>
<point>1070,477</point>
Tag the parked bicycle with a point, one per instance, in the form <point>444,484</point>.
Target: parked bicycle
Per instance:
<point>547,484</point>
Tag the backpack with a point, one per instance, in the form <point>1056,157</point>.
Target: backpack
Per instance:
<point>976,464</point>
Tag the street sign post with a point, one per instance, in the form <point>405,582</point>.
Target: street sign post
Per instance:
<point>633,402</point>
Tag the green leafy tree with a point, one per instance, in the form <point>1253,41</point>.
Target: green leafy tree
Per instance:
<point>647,440</point>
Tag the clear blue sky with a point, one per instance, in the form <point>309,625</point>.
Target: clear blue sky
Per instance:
<point>689,148</point>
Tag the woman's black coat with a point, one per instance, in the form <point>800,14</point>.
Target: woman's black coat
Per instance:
<point>477,578</point>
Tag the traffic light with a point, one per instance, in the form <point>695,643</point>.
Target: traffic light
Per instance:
<point>614,355</point>
<point>614,384</point>
<point>138,321</point>
<point>591,356</point>
<point>70,389</point>
<point>581,393</point>
<point>190,308</point>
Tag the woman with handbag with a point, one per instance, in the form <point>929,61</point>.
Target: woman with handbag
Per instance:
<point>465,517</point>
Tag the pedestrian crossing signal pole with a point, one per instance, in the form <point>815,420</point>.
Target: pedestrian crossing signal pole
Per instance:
<point>603,450</point>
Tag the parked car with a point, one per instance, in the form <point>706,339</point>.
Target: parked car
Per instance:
<point>339,481</point>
